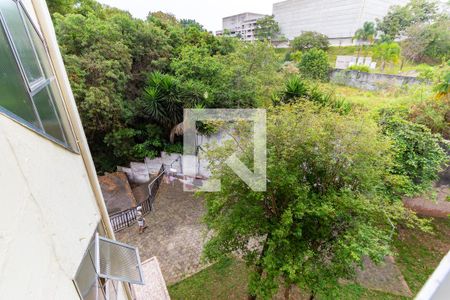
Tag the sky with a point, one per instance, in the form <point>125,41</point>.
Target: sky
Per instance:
<point>209,13</point>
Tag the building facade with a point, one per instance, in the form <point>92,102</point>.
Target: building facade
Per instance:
<point>338,19</point>
<point>242,26</point>
<point>56,241</point>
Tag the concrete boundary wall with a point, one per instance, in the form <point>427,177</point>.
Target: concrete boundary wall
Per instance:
<point>372,81</point>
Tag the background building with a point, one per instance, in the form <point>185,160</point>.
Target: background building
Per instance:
<point>337,19</point>
<point>242,25</point>
<point>56,241</point>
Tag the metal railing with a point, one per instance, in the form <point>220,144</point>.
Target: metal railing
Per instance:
<point>126,218</point>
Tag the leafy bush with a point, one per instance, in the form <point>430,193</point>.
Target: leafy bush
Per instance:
<point>425,72</point>
<point>296,56</point>
<point>360,68</point>
<point>309,40</point>
<point>387,53</point>
<point>136,144</point>
<point>314,65</point>
<point>428,42</point>
<point>418,156</point>
<point>296,89</point>
<point>324,208</point>
<point>443,87</point>
<point>434,114</point>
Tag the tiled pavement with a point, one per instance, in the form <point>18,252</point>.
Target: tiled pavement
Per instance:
<point>174,235</point>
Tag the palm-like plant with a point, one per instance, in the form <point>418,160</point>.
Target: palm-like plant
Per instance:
<point>165,97</point>
<point>294,88</point>
<point>365,34</point>
<point>162,100</point>
<point>443,88</point>
<point>387,52</point>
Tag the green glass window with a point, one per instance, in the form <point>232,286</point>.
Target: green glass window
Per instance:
<point>22,43</point>
<point>28,87</point>
<point>47,113</point>
<point>13,93</point>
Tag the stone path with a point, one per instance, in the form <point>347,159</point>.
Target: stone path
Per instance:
<point>174,235</point>
<point>438,206</point>
<point>385,277</point>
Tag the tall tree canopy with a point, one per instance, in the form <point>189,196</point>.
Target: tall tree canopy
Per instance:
<point>267,28</point>
<point>132,78</point>
<point>309,40</point>
<point>399,18</point>
<point>325,207</point>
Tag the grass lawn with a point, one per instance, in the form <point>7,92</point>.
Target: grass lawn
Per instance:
<point>226,279</point>
<point>375,100</point>
<point>418,255</point>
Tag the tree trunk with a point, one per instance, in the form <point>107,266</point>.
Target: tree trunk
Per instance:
<point>359,52</point>
<point>259,268</point>
<point>401,64</point>
<point>287,291</point>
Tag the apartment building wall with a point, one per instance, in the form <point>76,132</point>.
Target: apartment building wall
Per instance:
<point>338,19</point>
<point>242,25</point>
<point>50,200</point>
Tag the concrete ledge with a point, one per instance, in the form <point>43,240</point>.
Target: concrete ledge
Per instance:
<point>155,286</point>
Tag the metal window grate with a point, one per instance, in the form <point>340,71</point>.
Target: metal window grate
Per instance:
<point>86,278</point>
<point>118,261</point>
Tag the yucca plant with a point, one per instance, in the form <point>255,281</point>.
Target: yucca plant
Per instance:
<point>294,88</point>
<point>162,99</point>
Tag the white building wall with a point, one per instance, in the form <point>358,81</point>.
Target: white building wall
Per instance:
<point>48,215</point>
<point>49,204</point>
<point>243,25</point>
<point>338,19</point>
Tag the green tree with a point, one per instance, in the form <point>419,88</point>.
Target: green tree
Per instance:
<point>267,29</point>
<point>428,42</point>
<point>309,40</point>
<point>107,63</point>
<point>399,18</point>
<point>192,22</point>
<point>60,6</point>
<point>324,208</point>
<point>365,34</point>
<point>418,156</point>
<point>387,53</point>
<point>314,65</point>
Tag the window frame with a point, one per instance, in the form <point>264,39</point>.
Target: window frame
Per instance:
<point>103,282</point>
<point>33,88</point>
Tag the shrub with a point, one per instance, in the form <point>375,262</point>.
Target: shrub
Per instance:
<point>426,72</point>
<point>314,65</point>
<point>296,56</point>
<point>418,156</point>
<point>427,42</point>
<point>443,87</point>
<point>387,53</point>
<point>309,40</point>
<point>360,68</point>
<point>295,90</point>
<point>434,114</point>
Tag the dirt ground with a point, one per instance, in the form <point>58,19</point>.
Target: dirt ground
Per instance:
<point>435,204</point>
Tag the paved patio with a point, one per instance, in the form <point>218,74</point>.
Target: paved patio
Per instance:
<point>174,235</point>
